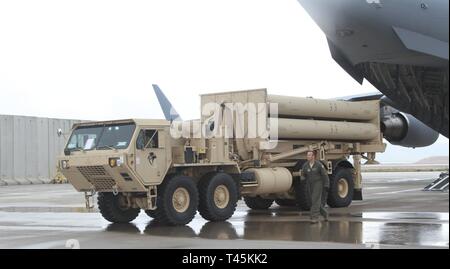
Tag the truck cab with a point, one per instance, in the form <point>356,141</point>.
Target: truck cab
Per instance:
<point>117,156</point>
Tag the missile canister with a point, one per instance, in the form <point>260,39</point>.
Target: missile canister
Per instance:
<point>317,129</point>
<point>330,109</point>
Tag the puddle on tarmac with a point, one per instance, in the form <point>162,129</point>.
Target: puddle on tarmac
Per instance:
<point>49,209</point>
<point>390,228</point>
<point>406,215</point>
<point>414,234</point>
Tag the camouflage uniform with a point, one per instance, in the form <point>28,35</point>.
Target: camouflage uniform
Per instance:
<point>318,184</point>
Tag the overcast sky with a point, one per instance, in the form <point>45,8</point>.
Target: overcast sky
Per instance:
<point>97,59</point>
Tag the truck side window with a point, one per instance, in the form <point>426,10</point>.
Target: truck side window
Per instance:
<point>147,139</point>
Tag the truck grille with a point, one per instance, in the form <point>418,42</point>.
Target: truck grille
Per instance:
<point>98,177</point>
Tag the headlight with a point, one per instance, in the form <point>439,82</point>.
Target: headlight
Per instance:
<point>113,162</point>
<point>65,164</point>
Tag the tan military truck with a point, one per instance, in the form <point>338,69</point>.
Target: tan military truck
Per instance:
<point>247,144</point>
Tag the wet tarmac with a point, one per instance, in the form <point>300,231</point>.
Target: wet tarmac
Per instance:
<point>394,214</point>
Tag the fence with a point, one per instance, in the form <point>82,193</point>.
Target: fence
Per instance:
<point>29,147</point>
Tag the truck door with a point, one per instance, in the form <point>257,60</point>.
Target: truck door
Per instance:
<point>151,159</point>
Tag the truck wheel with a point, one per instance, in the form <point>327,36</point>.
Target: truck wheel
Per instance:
<point>258,202</point>
<point>113,208</point>
<point>177,201</point>
<point>286,202</point>
<point>341,188</point>
<point>219,194</point>
<point>302,195</point>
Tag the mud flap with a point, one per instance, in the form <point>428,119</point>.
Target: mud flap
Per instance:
<point>357,195</point>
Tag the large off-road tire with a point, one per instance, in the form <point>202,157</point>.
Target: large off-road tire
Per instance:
<point>177,201</point>
<point>112,209</point>
<point>341,188</point>
<point>257,202</point>
<point>286,202</point>
<point>218,194</point>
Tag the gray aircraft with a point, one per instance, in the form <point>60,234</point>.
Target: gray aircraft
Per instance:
<point>401,47</point>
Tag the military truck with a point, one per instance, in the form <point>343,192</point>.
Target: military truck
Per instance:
<point>172,169</point>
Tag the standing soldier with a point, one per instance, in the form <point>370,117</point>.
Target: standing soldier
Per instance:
<point>318,184</point>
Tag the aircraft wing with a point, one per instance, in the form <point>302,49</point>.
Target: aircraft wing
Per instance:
<point>361,97</point>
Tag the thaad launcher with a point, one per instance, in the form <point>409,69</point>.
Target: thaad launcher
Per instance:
<point>247,145</point>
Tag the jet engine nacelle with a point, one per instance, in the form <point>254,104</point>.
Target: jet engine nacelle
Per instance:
<point>405,130</point>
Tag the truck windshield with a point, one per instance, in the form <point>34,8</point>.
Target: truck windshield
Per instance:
<point>111,136</point>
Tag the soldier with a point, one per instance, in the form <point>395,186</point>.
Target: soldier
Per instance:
<point>318,184</point>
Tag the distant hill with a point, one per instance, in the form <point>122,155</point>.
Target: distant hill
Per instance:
<point>398,154</point>
<point>434,160</point>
